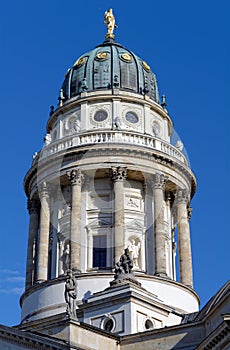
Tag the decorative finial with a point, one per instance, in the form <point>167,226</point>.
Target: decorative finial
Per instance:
<point>163,103</point>
<point>61,98</point>
<point>109,21</point>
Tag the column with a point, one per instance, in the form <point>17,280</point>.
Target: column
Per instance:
<point>169,258</point>
<point>160,233</point>
<point>43,245</point>
<point>118,178</point>
<point>32,236</point>
<point>150,263</point>
<point>184,244</point>
<point>76,180</point>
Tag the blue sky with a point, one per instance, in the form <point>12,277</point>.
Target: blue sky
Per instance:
<point>186,45</point>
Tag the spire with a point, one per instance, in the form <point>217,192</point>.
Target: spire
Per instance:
<point>109,21</point>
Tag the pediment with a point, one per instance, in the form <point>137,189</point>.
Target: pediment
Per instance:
<point>98,223</point>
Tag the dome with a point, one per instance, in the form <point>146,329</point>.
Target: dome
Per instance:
<point>109,66</point>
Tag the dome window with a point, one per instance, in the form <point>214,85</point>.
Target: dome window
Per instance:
<point>149,324</point>
<point>131,117</point>
<point>100,116</point>
<point>108,324</point>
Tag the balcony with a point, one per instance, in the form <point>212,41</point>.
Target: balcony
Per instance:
<point>112,137</point>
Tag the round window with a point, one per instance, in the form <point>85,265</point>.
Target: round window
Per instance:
<point>131,117</point>
<point>149,324</point>
<point>100,116</point>
<point>108,325</point>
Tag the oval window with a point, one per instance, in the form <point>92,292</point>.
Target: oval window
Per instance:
<point>108,325</point>
<point>100,116</point>
<point>131,117</point>
<point>149,324</point>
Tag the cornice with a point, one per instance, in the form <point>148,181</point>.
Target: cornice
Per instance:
<point>76,154</point>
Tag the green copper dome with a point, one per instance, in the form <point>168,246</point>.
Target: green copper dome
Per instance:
<point>110,66</point>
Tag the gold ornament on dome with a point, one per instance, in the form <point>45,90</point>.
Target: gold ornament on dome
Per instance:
<point>145,66</point>
<point>80,61</point>
<point>102,55</point>
<point>126,57</point>
<point>109,21</point>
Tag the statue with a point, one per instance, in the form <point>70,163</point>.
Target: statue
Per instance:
<point>109,21</point>
<point>66,258</point>
<point>117,123</point>
<point>71,294</point>
<point>123,270</point>
<point>76,126</point>
<point>125,264</point>
<point>179,145</point>
<point>133,249</point>
<point>47,139</point>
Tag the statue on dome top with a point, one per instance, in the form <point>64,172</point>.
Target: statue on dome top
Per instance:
<point>109,21</point>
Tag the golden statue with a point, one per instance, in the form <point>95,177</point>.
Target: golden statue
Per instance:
<point>109,21</point>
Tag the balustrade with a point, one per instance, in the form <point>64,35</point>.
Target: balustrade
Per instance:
<point>110,136</point>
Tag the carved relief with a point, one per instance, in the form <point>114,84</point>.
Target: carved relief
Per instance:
<point>72,123</point>
<point>133,203</point>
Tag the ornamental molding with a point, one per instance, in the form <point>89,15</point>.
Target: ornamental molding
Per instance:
<point>75,177</point>
<point>73,155</point>
<point>182,196</point>
<point>118,173</point>
<point>32,206</point>
<point>159,181</point>
<point>104,107</point>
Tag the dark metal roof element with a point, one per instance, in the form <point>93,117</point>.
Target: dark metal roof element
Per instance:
<point>109,66</point>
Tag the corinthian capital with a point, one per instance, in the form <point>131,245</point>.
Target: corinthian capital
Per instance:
<point>118,174</point>
<point>76,177</point>
<point>189,211</point>
<point>43,189</point>
<point>32,206</point>
<point>159,180</point>
<point>183,196</point>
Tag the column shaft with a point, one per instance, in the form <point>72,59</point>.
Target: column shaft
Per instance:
<point>118,176</point>
<point>76,179</point>
<point>184,241</point>
<point>43,246</point>
<point>33,231</point>
<point>159,226</point>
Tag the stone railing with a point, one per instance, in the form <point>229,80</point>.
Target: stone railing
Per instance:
<point>111,136</point>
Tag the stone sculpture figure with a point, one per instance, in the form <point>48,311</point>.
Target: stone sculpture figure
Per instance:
<point>47,139</point>
<point>66,258</point>
<point>134,249</point>
<point>109,21</point>
<point>71,294</point>
<point>124,265</point>
<point>124,270</point>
